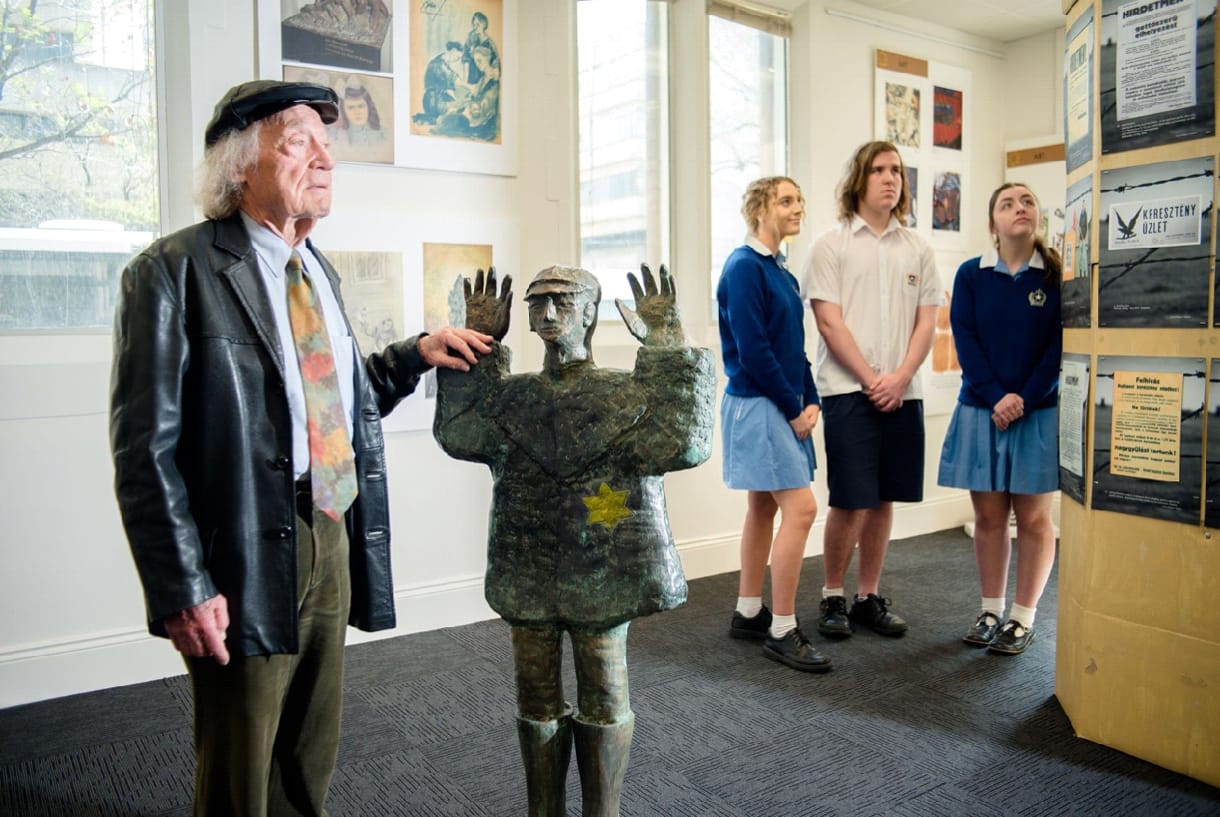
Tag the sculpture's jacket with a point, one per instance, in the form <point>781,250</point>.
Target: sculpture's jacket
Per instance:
<point>202,442</point>
<point>579,534</point>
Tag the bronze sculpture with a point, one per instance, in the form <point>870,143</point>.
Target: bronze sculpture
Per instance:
<point>579,538</point>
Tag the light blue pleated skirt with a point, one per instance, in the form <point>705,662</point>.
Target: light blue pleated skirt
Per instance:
<point>1022,459</point>
<point>761,452</point>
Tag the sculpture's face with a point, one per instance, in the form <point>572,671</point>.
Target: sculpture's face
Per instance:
<point>561,318</point>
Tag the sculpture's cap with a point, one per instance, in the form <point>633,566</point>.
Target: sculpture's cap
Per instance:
<point>245,104</point>
<point>562,279</point>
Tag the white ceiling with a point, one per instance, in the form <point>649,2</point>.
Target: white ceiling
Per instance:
<point>1000,20</point>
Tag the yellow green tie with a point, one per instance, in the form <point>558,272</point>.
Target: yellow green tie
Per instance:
<point>332,465</point>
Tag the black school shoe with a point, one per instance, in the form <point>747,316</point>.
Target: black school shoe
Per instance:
<point>832,618</point>
<point>984,630</point>
<point>1012,639</point>
<point>873,613</point>
<point>756,628</point>
<point>794,650</point>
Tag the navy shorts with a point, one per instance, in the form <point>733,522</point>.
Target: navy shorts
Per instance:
<point>872,456</point>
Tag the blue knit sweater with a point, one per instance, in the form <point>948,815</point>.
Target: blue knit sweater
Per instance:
<point>762,332</point>
<point>1007,332</point>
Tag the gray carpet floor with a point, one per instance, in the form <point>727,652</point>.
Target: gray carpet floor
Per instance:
<point>920,726</point>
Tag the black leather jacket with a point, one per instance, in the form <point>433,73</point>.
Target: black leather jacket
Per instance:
<point>202,442</point>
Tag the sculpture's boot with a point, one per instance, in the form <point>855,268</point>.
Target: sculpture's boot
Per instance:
<point>601,755</point>
<point>546,749</point>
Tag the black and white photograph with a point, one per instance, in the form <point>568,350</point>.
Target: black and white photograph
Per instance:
<point>341,33</point>
<point>1154,244</point>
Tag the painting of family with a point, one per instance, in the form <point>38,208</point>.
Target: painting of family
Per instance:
<point>455,69</point>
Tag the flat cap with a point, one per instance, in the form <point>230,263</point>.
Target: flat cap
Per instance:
<point>561,279</point>
<point>249,102</point>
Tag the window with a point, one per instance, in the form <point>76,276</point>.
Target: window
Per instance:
<point>747,118</point>
<point>78,157</point>
<point>624,143</point>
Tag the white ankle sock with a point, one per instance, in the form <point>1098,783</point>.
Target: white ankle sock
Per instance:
<point>1023,615</point>
<point>994,606</point>
<point>827,592</point>
<point>749,606</point>
<point>782,625</point>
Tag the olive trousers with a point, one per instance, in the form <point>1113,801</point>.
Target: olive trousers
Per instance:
<point>267,726</point>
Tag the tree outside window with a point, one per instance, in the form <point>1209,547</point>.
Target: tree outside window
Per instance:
<point>78,157</point>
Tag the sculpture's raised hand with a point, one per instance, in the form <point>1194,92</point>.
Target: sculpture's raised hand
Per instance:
<point>485,311</point>
<point>655,320</point>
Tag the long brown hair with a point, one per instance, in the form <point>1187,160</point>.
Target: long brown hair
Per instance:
<point>1054,266</point>
<point>855,181</point>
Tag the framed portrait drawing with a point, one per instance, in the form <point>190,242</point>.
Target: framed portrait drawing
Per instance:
<point>430,84</point>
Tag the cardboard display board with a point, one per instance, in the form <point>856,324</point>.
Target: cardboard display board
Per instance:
<point>1137,662</point>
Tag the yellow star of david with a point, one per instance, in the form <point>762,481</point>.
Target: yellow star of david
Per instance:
<point>608,508</point>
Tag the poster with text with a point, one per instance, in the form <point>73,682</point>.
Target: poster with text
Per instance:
<point>1157,72</point>
<point>1073,416</point>
<point>1154,244</point>
<point>1077,289</point>
<point>1078,92</point>
<point>1148,436</point>
<point>1211,508</point>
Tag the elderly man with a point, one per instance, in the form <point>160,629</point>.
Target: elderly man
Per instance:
<point>249,464</point>
<point>579,540</point>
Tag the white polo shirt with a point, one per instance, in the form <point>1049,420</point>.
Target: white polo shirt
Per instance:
<point>879,282</point>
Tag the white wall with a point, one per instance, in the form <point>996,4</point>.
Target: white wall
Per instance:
<point>71,616</point>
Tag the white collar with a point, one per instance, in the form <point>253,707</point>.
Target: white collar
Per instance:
<point>858,223</point>
<point>762,249</point>
<point>991,259</point>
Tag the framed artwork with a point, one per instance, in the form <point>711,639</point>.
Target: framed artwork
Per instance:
<point>924,109</point>
<point>402,277</point>
<point>372,296</point>
<point>353,34</point>
<point>365,130</point>
<point>438,78</point>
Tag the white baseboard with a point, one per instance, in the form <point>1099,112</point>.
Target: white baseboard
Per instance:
<point>52,669</point>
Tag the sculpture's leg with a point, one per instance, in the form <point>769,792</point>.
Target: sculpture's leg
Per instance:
<point>546,749</point>
<point>544,719</point>
<point>601,755</point>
